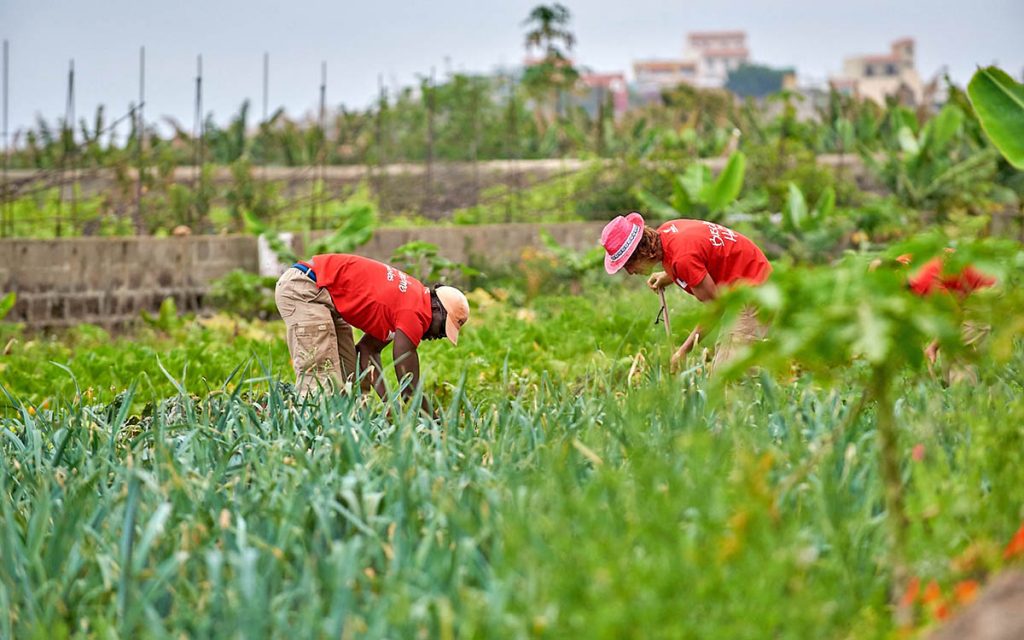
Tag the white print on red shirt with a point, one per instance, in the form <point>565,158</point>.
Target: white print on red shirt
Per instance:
<point>718,232</point>
<point>403,280</point>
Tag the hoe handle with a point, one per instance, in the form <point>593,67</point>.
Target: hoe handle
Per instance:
<point>664,309</point>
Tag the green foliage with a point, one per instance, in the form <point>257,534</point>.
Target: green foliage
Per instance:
<point>244,294</point>
<point>7,303</point>
<point>755,81</point>
<point>999,103</point>
<point>797,218</point>
<point>421,260</point>
<point>697,194</point>
<point>356,218</point>
<point>549,32</point>
<point>936,166</point>
<point>166,318</point>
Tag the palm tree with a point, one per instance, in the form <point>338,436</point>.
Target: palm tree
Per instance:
<point>549,33</point>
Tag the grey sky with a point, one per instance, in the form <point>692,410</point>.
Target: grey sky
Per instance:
<point>360,40</point>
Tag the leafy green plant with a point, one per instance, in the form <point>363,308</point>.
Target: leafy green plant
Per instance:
<point>421,260</point>
<point>244,294</point>
<point>828,318</point>
<point>797,218</point>
<point>7,303</point>
<point>935,167</point>
<point>166,318</point>
<point>355,219</point>
<point>572,265</point>
<point>999,102</point>
<point>697,194</point>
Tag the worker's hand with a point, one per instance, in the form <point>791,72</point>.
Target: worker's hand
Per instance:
<point>658,281</point>
<point>932,351</point>
<point>679,357</point>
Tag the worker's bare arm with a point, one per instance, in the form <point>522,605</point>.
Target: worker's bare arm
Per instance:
<point>368,350</point>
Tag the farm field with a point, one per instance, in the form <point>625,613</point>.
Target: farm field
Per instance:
<point>569,487</point>
<point>841,456</point>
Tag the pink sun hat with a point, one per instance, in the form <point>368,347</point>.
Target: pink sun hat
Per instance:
<point>620,238</point>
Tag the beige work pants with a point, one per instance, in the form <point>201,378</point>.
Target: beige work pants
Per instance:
<point>320,342</point>
<point>746,330</point>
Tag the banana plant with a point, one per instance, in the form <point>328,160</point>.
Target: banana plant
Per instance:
<point>934,167</point>
<point>808,234</point>
<point>797,218</point>
<point>999,102</point>
<point>696,193</point>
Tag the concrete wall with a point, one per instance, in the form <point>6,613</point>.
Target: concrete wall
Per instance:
<point>108,281</point>
<point>490,244</point>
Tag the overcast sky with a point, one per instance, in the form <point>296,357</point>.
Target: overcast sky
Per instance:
<point>364,39</point>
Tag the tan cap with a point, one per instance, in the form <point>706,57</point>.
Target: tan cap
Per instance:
<point>455,303</point>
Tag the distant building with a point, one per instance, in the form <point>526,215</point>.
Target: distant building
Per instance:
<point>655,75</point>
<point>600,87</point>
<point>707,59</point>
<point>717,53</point>
<point>877,77</point>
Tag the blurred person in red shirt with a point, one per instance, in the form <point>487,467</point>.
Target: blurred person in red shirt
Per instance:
<point>699,257</point>
<point>934,279</point>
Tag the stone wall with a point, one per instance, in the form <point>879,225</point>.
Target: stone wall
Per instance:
<point>108,281</point>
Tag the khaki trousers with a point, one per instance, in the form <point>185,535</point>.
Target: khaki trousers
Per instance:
<point>746,330</point>
<point>320,342</point>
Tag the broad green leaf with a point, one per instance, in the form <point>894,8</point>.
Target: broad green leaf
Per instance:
<point>681,200</point>
<point>908,141</point>
<point>694,179</point>
<point>726,188</point>
<point>826,203</point>
<point>943,128</point>
<point>999,102</point>
<point>796,208</point>
<point>657,207</point>
<point>845,133</point>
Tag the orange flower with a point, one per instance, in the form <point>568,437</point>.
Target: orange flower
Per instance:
<point>932,593</point>
<point>1016,546</point>
<point>911,593</point>
<point>917,453</point>
<point>966,591</point>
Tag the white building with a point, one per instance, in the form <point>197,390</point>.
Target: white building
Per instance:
<point>717,53</point>
<point>708,57</point>
<point>655,75</point>
<point>877,77</point>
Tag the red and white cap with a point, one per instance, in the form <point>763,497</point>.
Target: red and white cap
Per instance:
<point>620,238</point>
<point>455,303</point>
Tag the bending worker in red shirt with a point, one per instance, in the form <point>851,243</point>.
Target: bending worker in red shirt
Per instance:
<point>933,278</point>
<point>322,299</point>
<point>698,256</point>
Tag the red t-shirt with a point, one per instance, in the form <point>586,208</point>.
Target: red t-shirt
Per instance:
<point>930,279</point>
<point>374,297</point>
<point>694,249</point>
